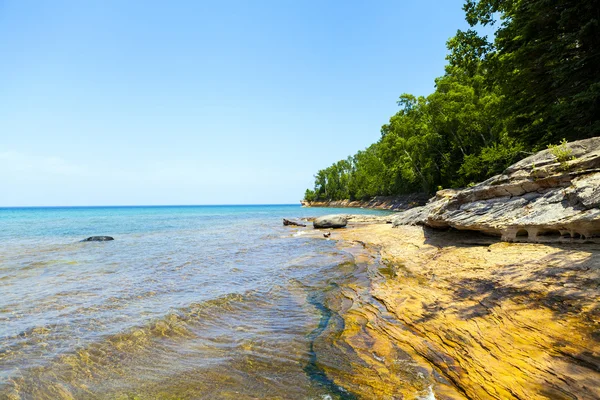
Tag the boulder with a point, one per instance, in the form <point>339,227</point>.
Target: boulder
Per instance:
<point>331,221</point>
<point>98,239</point>
<point>537,199</point>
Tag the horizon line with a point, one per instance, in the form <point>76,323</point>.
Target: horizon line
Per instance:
<point>161,205</point>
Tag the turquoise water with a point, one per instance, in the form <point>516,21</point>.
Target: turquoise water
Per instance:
<point>187,301</point>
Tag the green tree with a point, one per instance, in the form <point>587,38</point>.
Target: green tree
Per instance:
<point>537,82</point>
<point>546,59</point>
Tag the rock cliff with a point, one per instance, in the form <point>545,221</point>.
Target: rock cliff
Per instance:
<point>551,196</point>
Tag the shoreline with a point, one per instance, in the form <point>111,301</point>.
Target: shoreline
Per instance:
<point>392,203</point>
<point>483,318</point>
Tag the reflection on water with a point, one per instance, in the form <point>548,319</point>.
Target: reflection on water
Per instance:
<point>204,302</point>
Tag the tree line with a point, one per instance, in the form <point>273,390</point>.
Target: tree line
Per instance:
<point>537,82</point>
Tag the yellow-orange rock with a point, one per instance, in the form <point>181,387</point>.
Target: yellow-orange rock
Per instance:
<point>485,320</point>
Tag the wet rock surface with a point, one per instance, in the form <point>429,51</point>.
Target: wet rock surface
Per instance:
<point>538,199</point>
<point>481,318</point>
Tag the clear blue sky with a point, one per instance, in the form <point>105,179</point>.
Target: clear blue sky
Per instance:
<point>195,102</point>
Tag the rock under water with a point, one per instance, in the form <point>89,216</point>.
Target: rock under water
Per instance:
<point>98,239</point>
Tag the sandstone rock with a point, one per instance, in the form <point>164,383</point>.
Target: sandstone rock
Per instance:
<point>517,322</point>
<point>98,239</point>
<point>537,199</point>
<point>331,221</point>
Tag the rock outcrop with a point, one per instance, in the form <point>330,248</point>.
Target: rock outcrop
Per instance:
<point>98,239</point>
<point>288,222</point>
<point>540,199</point>
<point>331,221</point>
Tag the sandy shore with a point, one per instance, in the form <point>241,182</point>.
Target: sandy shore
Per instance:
<point>485,319</point>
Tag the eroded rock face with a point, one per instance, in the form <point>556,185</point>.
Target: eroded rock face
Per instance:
<point>537,199</point>
<point>331,221</point>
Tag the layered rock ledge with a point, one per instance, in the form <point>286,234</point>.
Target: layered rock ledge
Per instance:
<point>538,199</point>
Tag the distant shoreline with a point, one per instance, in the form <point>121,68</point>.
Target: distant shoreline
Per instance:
<point>392,203</point>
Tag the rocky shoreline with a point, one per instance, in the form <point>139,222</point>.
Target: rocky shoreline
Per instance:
<point>491,291</point>
<point>551,196</point>
<point>392,203</point>
<point>482,318</point>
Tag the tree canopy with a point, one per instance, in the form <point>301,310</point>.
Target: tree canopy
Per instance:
<point>535,83</point>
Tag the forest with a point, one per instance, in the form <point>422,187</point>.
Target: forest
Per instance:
<point>534,84</point>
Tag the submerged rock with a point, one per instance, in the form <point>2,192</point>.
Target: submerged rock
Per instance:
<point>331,221</point>
<point>98,239</point>
<point>537,199</point>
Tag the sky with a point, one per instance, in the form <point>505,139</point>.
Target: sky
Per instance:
<point>111,102</point>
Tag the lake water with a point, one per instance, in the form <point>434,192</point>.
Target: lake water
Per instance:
<point>186,302</point>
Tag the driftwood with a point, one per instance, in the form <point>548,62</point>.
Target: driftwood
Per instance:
<point>287,222</point>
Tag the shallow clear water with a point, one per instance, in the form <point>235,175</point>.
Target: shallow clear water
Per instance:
<point>186,302</point>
